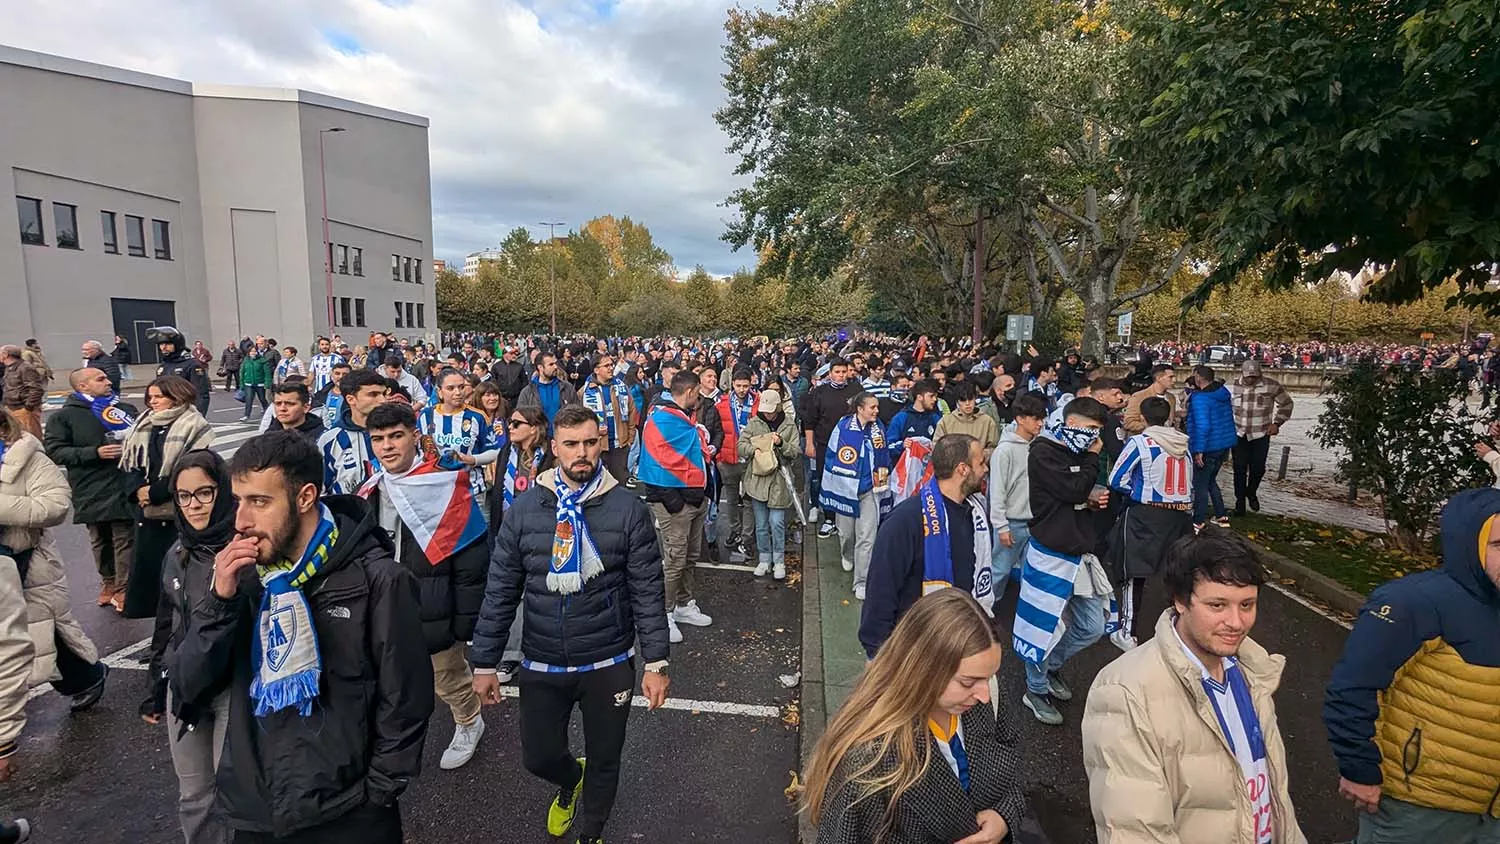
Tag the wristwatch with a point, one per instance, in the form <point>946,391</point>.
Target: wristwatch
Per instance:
<point>657,667</point>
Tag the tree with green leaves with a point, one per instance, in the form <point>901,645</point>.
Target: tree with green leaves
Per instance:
<point>1322,136</point>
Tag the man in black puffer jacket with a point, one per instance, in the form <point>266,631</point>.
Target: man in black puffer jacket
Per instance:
<point>584,613</point>
<point>450,588</point>
<point>326,761</point>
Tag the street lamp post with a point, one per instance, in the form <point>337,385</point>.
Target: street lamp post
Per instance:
<point>327,246</point>
<point>552,269</point>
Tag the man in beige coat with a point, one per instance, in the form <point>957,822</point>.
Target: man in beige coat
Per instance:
<point>1180,739</point>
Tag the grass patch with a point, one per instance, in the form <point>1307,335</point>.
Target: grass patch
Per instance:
<point>1359,560</point>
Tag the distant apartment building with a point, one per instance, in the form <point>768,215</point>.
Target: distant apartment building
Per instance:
<point>142,200</point>
<point>438,265</point>
<point>474,259</point>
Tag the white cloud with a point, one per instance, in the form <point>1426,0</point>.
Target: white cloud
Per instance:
<point>540,110</point>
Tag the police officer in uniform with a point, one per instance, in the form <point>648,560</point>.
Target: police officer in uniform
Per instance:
<point>175,360</point>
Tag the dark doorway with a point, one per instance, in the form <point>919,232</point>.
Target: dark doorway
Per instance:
<point>133,317</point>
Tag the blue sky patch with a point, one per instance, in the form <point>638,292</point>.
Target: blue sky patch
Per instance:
<point>343,42</point>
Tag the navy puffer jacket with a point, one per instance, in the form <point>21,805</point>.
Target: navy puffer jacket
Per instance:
<point>598,623</point>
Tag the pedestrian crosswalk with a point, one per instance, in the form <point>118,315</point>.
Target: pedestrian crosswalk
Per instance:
<point>229,435</point>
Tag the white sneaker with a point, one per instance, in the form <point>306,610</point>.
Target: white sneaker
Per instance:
<point>690,614</point>
<point>779,571</point>
<point>859,592</point>
<point>674,635</point>
<point>1122,640</point>
<point>762,569</point>
<point>465,742</point>
<point>847,565</point>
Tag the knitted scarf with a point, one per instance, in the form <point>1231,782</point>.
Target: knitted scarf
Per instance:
<point>109,413</point>
<point>937,548</point>
<point>858,462</point>
<point>187,430</point>
<point>286,660</point>
<point>600,399</point>
<point>512,470</point>
<point>574,557</point>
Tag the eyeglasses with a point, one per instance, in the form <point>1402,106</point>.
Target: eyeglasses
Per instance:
<point>205,495</point>
<point>518,423</point>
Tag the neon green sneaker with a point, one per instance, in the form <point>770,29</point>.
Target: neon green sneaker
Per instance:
<point>565,806</point>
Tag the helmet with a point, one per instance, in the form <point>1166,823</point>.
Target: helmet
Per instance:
<point>166,334</point>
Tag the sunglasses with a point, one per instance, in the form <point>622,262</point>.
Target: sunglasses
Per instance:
<point>518,423</point>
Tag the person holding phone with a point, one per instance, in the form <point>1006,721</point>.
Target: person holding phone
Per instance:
<point>577,553</point>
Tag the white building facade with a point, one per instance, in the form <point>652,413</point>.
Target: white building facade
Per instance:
<point>142,200</point>
<point>474,259</point>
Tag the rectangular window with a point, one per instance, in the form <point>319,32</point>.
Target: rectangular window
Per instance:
<point>344,311</point>
<point>65,218</point>
<point>416,265</point>
<point>406,270</point>
<point>343,260</point>
<point>328,259</point>
<point>359,313</point>
<point>395,268</point>
<point>421,317</point>
<point>161,234</point>
<point>410,322</point>
<point>358,256</point>
<point>30,212</point>
<point>135,236</point>
<point>398,314</point>
<point>111,234</point>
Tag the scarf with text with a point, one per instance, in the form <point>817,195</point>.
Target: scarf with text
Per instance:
<point>286,660</point>
<point>937,548</point>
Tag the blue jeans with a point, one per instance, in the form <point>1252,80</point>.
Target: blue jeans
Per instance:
<point>1006,562</point>
<point>634,460</point>
<point>770,532</point>
<point>1206,485</point>
<point>1085,620</point>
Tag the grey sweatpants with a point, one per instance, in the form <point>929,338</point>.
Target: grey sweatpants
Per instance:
<point>195,757</point>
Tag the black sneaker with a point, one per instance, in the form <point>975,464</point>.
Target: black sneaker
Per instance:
<point>1058,688</point>
<point>632,482</point>
<point>86,699</point>
<point>15,832</point>
<point>1044,708</point>
<point>506,671</point>
<point>826,530</point>
<point>1239,508</point>
<point>1254,502</point>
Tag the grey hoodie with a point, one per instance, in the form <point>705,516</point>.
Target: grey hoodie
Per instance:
<point>1010,491</point>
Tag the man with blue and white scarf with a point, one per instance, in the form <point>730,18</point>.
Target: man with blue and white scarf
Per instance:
<point>1064,591</point>
<point>316,632</point>
<point>609,398</point>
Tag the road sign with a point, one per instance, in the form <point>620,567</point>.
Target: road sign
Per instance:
<point>1127,321</point>
<point>1018,327</point>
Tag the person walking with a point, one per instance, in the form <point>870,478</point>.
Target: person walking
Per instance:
<point>458,435</point>
<point>856,485</point>
<point>122,356</point>
<point>967,419</point>
<point>255,377</point>
<point>438,532</point>
<point>317,633</point>
<point>1180,736</point>
<point>229,365</point>
<point>290,406</point>
<point>921,751</point>
<point>85,437</point>
<point>674,470</point>
<point>1261,407</point>
<point>578,555</point>
<point>526,454</point>
<point>204,512</point>
<point>40,640</point>
<point>822,407</point>
<point>348,460</point>
<point>733,410</point>
<point>938,538</point>
<point>1163,378</point>
<point>547,389</point>
<point>1010,489</point>
<point>1410,706</point>
<point>767,446</point>
<point>320,365</point>
<point>95,357</point>
<point>290,366</point>
<point>170,428</point>
<point>1155,476</point>
<point>24,389</point>
<point>1211,434</point>
<point>1063,585</point>
<point>171,347</point>
<point>608,397</point>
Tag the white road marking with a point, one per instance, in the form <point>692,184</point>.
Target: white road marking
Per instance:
<point>1310,605</point>
<point>712,706</point>
<point>124,658</point>
<point>724,567</point>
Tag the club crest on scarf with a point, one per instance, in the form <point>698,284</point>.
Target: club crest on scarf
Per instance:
<point>574,557</point>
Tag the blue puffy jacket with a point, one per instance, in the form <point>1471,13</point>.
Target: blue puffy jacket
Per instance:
<point>1210,419</point>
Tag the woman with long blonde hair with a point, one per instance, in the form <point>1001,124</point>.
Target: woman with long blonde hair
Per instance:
<point>919,753</point>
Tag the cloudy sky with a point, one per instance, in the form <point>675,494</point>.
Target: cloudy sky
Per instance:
<point>540,109</point>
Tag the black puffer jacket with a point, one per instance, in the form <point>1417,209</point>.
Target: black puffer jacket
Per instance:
<point>187,576</point>
<point>451,590</point>
<point>600,622</point>
<point>363,741</point>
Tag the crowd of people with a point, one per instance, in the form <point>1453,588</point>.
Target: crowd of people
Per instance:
<point>419,524</point>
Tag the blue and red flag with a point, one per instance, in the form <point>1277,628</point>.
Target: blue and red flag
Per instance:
<point>674,451</point>
<point>436,504</point>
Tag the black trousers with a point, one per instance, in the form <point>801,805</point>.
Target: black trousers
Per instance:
<point>368,824</point>
<point>617,461</point>
<point>1249,466</point>
<point>603,698</point>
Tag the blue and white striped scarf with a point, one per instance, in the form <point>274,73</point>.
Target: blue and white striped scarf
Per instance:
<point>1046,585</point>
<point>600,399</point>
<point>285,657</point>
<point>858,462</point>
<point>574,557</point>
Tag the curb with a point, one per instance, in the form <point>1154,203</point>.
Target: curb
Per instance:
<point>814,704</point>
<point>1320,586</point>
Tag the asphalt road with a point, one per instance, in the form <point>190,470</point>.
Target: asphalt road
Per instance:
<point>710,768</point>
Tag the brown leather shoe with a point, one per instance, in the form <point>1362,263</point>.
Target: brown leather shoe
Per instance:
<point>106,592</point>
<point>117,600</point>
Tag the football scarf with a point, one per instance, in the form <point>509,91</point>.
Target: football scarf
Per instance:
<point>285,657</point>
